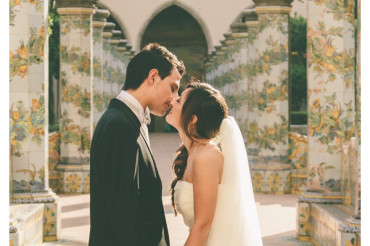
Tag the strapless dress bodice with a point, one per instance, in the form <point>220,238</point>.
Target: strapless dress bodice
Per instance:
<point>184,201</point>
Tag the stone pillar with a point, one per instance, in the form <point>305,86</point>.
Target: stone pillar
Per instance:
<point>107,66</point>
<point>272,76</point>
<point>358,110</point>
<point>76,78</point>
<point>28,125</point>
<point>123,59</point>
<point>117,80</point>
<point>99,20</point>
<point>251,18</point>
<point>331,94</point>
<point>331,111</point>
<point>237,42</point>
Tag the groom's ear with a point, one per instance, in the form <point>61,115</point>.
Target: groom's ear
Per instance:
<point>152,75</point>
<point>194,119</point>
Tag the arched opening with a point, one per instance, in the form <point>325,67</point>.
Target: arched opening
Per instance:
<point>180,33</point>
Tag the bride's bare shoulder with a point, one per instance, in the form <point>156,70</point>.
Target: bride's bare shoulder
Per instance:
<point>209,155</point>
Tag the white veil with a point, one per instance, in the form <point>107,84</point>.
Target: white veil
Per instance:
<point>235,221</point>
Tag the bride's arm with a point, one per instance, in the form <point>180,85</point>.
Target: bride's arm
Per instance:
<point>205,177</point>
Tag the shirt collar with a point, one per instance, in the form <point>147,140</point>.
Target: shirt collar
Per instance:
<point>135,106</point>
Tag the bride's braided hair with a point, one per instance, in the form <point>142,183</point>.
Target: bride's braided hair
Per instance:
<point>210,107</point>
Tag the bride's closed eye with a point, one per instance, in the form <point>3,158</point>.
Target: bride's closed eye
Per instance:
<point>178,100</point>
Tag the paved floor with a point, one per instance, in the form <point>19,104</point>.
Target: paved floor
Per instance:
<point>277,213</point>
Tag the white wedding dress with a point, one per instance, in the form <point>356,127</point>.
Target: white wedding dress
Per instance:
<point>235,222</point>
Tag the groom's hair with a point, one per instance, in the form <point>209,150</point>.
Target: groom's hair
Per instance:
<point>151,56</point>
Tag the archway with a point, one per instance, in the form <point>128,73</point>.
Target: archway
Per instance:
<point>180,33</point>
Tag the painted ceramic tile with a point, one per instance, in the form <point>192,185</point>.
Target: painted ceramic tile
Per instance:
<point>86,183</point>
<point>298,148</point>
<point>270,69</point>
<point>303,217</point>
<point>275,181</point>
<point>26,96</point>
<point>72,182</point>
<point>331,94</point>
<point>258,181</point>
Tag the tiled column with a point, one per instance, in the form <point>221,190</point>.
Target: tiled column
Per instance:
<point>358,110</point>
<point>28,120</point>
<point>117,79</point>
<point>237,45</point>
<point>331,104</point>
<point>124,60</point>
<point>107,66</point>
<point>331,93</point>
<point>272,76</point>
<point>252,111</point>
<point>76,77</point>
<point>99,20</point>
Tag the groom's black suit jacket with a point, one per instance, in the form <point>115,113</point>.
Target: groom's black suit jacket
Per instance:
<point>125,188</point>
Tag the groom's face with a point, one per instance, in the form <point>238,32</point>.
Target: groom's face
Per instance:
<point>163,92</point>
<point>174,117</point>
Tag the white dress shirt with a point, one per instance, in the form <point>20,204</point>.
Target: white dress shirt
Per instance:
<point>137,108</point>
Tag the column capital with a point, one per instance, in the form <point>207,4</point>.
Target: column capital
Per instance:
<point>75,11</point>
<point>122,42</point>
<point>107,30</point>
<point>264,3</point>
<point>101,15</point>
<point>76,3</point>
<point>250,15</point>
<point>229,38</point>
<point>239,27</point>
<point>116,34</point>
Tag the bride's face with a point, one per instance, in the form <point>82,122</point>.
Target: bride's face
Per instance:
<point>174,117</point>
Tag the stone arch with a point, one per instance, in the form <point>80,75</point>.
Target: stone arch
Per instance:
<point>186,8</point>
<point>178,30</point>
<point>115,16</point>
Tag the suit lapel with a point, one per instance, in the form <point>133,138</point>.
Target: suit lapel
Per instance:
<point>144,145</point>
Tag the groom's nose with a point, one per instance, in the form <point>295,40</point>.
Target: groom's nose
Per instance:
<point>174,99</point>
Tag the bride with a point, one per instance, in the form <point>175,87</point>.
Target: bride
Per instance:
<point>212,189</point>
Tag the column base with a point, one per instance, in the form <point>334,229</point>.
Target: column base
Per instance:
<point>298,181</point>
<point>327,224</point>
<point>26,224</point>
<point>51,215</point>
<point>73,178</point>
<point>272,178</point>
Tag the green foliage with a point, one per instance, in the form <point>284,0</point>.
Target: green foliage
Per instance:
<point>298,70</point>
<point>298,117</point>
<point>53,29</point>
<point>54,127</point>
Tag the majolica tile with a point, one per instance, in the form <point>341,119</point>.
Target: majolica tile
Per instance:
<point>348,239</point>
<point>50,213</point>
<point>303,217</point>
<point>258,180</point>
<point>275,181</point>
<point>86,182</point>
<point>73,182</point>
<point>18,21</point>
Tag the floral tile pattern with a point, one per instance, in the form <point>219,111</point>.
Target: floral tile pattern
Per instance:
<point>73,182</point>
<point>270,69</point>
<point>303,217</point>
<point>331,90</point>
<point>27,108</point>
<point>75,83</point>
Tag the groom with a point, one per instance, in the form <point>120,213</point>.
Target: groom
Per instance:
<point>126,191</point>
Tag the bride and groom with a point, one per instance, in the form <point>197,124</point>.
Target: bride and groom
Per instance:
<point>212,187</point>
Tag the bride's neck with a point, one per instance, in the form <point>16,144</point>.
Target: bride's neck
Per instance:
<point>191,144</point>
